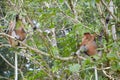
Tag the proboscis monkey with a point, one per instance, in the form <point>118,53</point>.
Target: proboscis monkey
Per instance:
<point>16,29</point>
<point>88,44</point>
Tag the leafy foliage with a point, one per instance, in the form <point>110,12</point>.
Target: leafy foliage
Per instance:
<point>40,58</point>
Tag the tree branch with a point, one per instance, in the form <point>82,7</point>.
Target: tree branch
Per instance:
<point>109,76</point>
<point>39,51</point>
<point>103,2</point>
<point>74,20</point>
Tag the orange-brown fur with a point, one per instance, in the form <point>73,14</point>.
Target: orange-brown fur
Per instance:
<point>19,34</point>
<point>88,41</point>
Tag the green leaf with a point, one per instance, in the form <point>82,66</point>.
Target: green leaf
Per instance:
<point>55,50</point>
<point>93,3</point>
<point>74,67</point>
<point>108,0</point>
<point>61,1</point>
<point>97,1</point>
<point>96,57</point>
<point>112,56</point>
<point>115,65</point>
<point>55,68</point>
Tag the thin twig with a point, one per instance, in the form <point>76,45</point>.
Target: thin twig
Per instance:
<point>16,66</point>
<point>96,73</point>
<point>11,65</point>
<point>38,51</point>
<point>109,76</point>
<point>1,77</point>
<point>103,2</point>
<point>74,20</point>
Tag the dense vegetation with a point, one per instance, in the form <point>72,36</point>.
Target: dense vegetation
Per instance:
<point>48,51</point>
